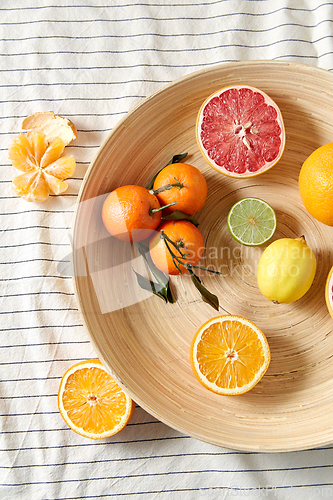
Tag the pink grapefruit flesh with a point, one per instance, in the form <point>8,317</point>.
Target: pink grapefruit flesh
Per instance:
<point>240,131</point>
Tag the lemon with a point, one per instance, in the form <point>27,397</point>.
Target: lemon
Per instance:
<point>286,270</point>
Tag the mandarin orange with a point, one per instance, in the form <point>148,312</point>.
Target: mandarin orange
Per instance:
<point>131,213</point>
<point>181,183</point>
<point>188,246</point>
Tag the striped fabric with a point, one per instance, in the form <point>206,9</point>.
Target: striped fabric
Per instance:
<point>92,61</point>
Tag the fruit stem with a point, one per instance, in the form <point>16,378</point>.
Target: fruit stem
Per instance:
<point>179,260</point>
<point>167,240</point>
<point>153,210</point>
<point>166,187</point>
<point>301,239</point>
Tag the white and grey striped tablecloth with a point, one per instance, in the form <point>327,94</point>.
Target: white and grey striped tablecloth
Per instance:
<point>92,61</point>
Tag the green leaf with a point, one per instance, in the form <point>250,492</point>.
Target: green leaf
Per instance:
<point>178,215</point>
<point>162,279</point>
<point>174,159</point>
<point>206,295</point>
<point>177,158</point>
<point>170,295</point>
<point>149,285</point>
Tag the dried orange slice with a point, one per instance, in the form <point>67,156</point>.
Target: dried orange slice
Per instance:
<point>43,170</point>
<point>91,402</point>
<point>229,355</point>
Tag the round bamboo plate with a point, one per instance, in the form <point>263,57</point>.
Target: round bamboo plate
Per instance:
<point>145,342</point>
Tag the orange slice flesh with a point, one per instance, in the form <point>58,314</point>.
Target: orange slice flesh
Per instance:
<point>91,402</point>
<point>229,355</point>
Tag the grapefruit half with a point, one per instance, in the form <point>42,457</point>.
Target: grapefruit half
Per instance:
<point>240,131</point>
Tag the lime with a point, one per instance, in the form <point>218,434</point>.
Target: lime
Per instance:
<point>251,221</point>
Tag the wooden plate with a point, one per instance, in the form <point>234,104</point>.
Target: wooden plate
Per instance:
<point>144,342</point>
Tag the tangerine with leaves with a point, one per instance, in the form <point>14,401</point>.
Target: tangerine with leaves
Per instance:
<point>181,183</point>
<point>183,239</point>
<point>131,213</point>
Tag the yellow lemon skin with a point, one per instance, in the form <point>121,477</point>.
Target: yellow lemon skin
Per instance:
<point>286,270</point>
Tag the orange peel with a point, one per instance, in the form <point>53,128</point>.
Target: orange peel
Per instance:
<point>51,126</point>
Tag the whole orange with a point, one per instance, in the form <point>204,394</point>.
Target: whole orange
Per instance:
<point>131,213</point>
<point>316,184</point>
<point>188,240</point>
<point>184,184</point>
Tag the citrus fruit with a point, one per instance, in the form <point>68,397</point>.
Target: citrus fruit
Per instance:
<point>316,184</point>
<point>251,221</point>
<point>229,355</point>
<point>187,245</point>
<point>131,213</point>
<point>329,292</point>
<point>240,131</point>
<point>90,401</point>
<point>286,270</point>
<point>43,169</point>
<point>181,183</point>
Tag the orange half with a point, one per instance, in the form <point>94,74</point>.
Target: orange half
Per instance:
<point>229,355</point>
<point>91,402</point>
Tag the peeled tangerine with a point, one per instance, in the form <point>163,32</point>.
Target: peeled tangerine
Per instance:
<point>43,169</point>
<point>286,270</point>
